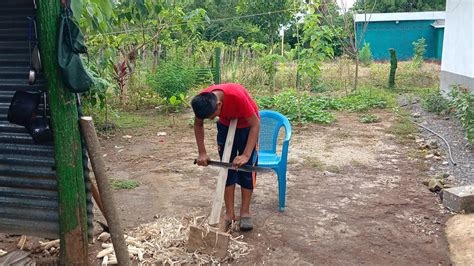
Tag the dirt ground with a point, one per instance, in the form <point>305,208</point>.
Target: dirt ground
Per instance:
<point>354,194</point>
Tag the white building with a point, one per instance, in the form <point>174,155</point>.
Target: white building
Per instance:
<point>457,66</point>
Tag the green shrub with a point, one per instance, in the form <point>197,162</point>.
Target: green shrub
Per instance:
<point>369,118</point>
<point>419,49</point>
<point>362,100</point>
<point>269,63</point>
<point>462,105</point>
<point>298,106</point>
<point>172,78</point>
<point>434,103</point>
<point>365,55</point>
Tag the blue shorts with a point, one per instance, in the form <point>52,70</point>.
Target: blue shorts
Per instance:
<point>244,179</point>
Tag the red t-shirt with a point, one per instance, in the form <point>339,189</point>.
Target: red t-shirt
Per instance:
<point>237,104</point>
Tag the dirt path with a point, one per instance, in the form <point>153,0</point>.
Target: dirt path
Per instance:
<point>354,194</point>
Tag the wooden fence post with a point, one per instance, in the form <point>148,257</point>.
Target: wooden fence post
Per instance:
<point>67,144</point>
<point>217,66</point>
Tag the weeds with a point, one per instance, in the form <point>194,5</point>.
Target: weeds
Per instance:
<point>298,106</point>
<point>462,105</point>
<point>124,184</point>
<point>403,129</point>
<point>434,103</point>
<point>369,118</point>
<point>127,120</point>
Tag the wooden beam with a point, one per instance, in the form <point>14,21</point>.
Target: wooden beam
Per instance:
<point>98,165</point>
<point>67,144</point>
<point>222,177</point>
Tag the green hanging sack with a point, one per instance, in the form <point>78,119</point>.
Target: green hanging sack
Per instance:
<point>70,46</point>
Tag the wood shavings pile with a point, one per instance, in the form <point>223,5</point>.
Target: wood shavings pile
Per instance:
<point>164,242</point>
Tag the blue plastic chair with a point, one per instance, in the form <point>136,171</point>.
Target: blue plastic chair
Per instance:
<point>270,124</point>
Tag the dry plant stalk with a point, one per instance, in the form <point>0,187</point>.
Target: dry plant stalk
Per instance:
<point>164,242</point>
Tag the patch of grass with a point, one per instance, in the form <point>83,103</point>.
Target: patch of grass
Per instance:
<point>363,100</point>
<point>298,106</point>
<point>292,161</point>
<point>124,184</point>
<point>315,163</point>
<point>369,118</point>
<point>342,134</point>
<point>356,163</point>
<point>403,129</point>
<point>334,169</point>
<point>127,120</point>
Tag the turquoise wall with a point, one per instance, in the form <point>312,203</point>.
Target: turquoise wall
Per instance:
<point>383,35</point>
<point>439,35</point>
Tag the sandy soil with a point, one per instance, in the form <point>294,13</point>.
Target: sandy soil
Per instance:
<point>354,194</point>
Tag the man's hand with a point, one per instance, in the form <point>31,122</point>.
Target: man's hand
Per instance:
<point>202,159</point>
<point>240,160</point>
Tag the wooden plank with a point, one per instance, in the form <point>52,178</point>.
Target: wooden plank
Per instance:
<point>221,178</point>
<point>209,242</point>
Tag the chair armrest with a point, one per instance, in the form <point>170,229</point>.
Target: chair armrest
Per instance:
<point>287,130</point>
<point>284,151</point>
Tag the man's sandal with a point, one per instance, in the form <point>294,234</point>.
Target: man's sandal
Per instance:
<point>246,223</point>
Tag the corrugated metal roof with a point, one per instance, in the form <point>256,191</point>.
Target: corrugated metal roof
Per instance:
<point>401,16</point>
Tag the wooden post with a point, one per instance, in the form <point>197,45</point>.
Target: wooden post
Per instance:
<point>217,66</point>
<point>98,165</point>
<point>67,144</point>
<point>393,68</point>
<point>221,178</point>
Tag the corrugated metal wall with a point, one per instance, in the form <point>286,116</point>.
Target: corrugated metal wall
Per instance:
<point>28,187</point>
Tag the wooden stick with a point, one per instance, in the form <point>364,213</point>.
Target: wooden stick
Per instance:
<point>97,199</point>
<point>221,178</point>
<point>98,166</point>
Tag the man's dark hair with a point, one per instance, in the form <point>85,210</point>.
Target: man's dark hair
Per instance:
<point>204,105</point>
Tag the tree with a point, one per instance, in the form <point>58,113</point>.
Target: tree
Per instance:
<point>225,26</point>
<point>278,13</point>
<point>387,6</point>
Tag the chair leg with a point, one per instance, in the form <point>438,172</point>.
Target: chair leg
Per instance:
<point>282,188</point>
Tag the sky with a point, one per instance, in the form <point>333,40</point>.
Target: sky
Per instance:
<point>347,3</point>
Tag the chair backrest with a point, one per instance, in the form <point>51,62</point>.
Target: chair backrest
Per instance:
<point>270,124</point>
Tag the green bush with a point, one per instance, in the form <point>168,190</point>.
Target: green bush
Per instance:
<point>303,107</point>
<point>362,100</point>
<point>365,55</point>
<point>297,106</point>
<point>269,64</point>
<point>172,78</point>
<point>462,105</point>
<point>434,103</point>
<point>369,118</point>
<point>419,49</point>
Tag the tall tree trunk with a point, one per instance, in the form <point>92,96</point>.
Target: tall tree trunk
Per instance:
<point>67,144</point>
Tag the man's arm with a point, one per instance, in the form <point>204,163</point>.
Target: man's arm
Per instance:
<point>242,159</point>
<point>199,134</point>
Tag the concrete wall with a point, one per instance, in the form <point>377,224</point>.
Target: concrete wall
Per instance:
<point>457,66</point>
